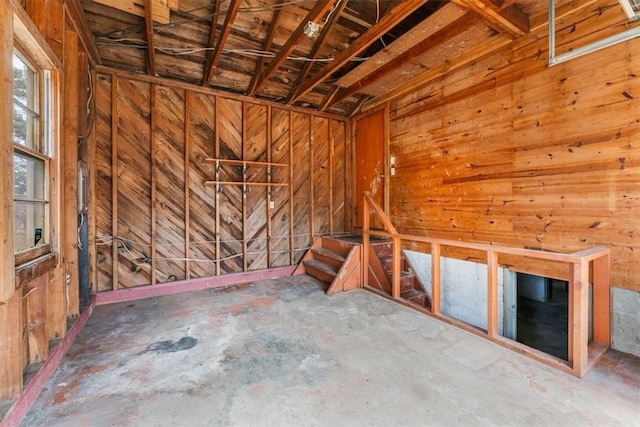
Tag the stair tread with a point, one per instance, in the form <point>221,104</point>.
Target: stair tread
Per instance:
<point>412,293</point>
<point>319,265</point>
<point>329,254</point>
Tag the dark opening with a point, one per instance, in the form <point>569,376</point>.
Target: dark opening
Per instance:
<point>543,314</point>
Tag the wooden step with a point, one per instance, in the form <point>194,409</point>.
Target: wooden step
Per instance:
<point>415,296</point>
<point>328,256</point>
<point>321,271</point>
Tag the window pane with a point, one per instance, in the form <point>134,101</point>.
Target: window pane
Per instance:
<point>23,83</point>
<point>29,226</point>
<point>24,127</point>
<point>28,177</point>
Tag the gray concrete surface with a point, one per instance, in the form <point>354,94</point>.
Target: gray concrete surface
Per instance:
<point>280,353</point>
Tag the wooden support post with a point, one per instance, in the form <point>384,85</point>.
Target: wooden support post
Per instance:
<point>602,300</point>
<point>114,182</point>
<point>11,344</point>
<point>312,214</point>
<point>93,178</point>
<point>397,266</point>
<point>330,156</point>
<point>579,317</point>
<point>69,157</point>
<point>435,278</point>
<point>492,294</point>
<point>217,187</point>
<point>245,188</point>
<point>269,188</point>
<point>292,252</point>
<point>187,183</point>
<point>154,180</point>
<point>365,242</point>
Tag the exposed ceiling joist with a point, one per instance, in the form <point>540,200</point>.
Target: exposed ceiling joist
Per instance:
<point>151,51</point>
<point>453,29</point>
<point>161,11</point>
<point>505,17</point>
<point>386,23</point>
<point>212,63</point>
<point>326,30</point>
<point>318,10</point>
<point>268,42</point>
<point>541,19</point>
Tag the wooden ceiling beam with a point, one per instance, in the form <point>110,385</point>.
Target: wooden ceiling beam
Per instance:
<point>75,12</point>
<point>268,42</point>
<point>326,30</point>
<point>212,63</point>
<point>451,64</point>
<point>318,10</point>
<point>541,19</point>
<point>505,17</point>
<point>448,32</point>
<point>151,51</point>
<point>386,23</point>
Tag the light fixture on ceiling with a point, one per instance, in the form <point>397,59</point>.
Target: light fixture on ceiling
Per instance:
<point>312,29</point>
<point>631,8</point>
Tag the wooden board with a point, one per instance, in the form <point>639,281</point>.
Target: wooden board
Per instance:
<point>134,184</point>
<point>321,176</point>
<point>202,214</point>
<point>301,182</point>
<point>338,175</point>
<point>169,184</point>
<point>280,233</point>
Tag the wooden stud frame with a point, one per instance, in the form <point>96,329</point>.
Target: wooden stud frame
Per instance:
<point>582,354</point>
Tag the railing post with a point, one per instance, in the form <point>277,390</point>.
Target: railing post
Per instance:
<point>602,300</point>
<point>435,278</point>
<point>397,269</point>
<point>492,294</point>
<point>579,317</point>
<point>365,241</point>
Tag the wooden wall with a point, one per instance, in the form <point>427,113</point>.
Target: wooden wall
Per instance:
<point>511,151</point>
<point>157,215</point>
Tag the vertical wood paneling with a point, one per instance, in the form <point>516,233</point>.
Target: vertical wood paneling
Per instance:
<point>169,169</point>
<point>134,184</point>
<point>256,214</point>
<point>202,197</point>
<point>231,198</point>
<point>280,214</point>
<point>321,177</point>
<point>301,189</point>
<point>103,197</point>
<point>338,175</point>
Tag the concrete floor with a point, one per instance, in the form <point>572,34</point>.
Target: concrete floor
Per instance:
<point>280,352</point>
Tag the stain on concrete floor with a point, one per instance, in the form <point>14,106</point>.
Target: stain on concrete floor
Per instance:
<point>280,352</point>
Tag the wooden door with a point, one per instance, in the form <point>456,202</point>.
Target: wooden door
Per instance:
<point>369,170</point>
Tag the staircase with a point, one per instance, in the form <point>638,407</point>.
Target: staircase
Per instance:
<point>334,262</point>
<point>411,288</point>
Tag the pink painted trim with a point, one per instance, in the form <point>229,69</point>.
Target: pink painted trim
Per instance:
<point>171,288</point>
<point>35,386</point>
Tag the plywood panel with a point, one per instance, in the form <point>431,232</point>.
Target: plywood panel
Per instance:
<point>279,239</point>
<point>134,184</point>
<point>230,197</point>
<point>202,215</point>
<point>256,199</point>
<point>170,180</point>
<point>301,184</point>
<point>103,197</point>
<point>321,175</point>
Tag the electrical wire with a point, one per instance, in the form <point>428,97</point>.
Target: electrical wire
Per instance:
<point>335,6</point>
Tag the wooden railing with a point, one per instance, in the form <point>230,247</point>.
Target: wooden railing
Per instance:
<point>593,262</point>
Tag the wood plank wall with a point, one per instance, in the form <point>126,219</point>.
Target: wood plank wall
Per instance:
<point>151,141</point>
<point>508,150</point>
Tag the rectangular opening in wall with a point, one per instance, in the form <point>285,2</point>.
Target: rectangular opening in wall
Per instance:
<point>542,314</point>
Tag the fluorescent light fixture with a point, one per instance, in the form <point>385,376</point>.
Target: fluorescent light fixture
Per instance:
<point>631,8</point>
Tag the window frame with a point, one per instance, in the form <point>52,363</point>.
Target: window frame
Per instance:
<point>44,128</point>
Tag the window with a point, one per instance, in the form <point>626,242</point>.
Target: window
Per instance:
<point>31,157</point>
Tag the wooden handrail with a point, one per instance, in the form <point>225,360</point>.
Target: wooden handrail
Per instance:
<point>582,355</point>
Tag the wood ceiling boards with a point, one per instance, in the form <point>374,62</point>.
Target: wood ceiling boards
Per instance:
<point>261,48</point>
